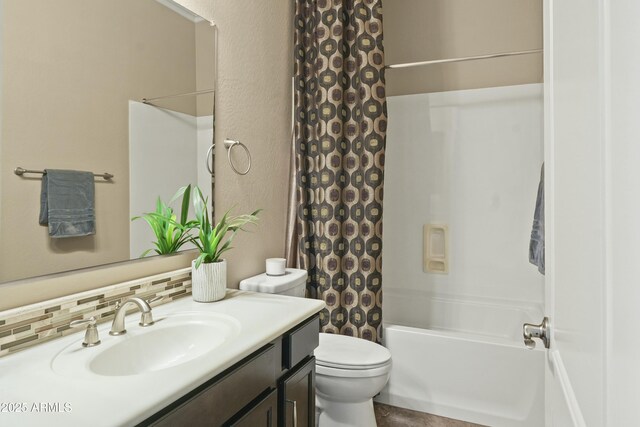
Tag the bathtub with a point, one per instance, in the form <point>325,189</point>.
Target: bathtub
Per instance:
<point>463,359</point>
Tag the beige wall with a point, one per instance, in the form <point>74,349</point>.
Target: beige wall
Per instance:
<point>69,70</point>
<point>421,30</point>
<point>253,105</point>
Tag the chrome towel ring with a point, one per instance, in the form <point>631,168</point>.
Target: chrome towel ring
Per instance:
<point>229,144</point>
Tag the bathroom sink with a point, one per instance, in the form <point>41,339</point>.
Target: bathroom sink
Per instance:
<point>172,341</point>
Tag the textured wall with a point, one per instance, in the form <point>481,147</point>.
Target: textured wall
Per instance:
<point>254,84</point>
<point>422,30</point>
<point>253,106</point>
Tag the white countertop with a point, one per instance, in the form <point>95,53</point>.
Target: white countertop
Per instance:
<point>27,379</point>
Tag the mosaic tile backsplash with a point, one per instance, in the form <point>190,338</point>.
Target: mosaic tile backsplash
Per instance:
<point>34,324</point>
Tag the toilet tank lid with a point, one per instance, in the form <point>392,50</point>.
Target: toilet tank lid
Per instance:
<point>292,278</point>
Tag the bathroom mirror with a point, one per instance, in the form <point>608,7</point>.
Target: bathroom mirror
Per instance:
<point>73,76</point>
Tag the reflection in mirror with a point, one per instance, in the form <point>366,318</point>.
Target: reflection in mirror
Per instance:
<point>73,77</point>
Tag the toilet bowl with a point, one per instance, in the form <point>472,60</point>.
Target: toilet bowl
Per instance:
<point>349,371</point>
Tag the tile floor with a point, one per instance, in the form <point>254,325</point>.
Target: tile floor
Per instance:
<point>391,416</point>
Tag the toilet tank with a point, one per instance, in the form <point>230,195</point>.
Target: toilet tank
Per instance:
<point>292,282</point>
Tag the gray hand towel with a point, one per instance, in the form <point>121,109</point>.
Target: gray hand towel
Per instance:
<point>536,245</point>
<point>67,203</point>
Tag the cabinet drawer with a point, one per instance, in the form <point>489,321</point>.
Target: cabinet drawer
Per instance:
<point>228,394</point>
<point>300,342</point>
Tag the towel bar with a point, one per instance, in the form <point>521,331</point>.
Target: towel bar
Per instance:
<point>21,171</point>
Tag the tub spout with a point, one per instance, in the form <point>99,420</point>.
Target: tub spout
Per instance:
<point>531,331</point>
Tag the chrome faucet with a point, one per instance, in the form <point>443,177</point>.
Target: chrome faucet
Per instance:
<point>117,328</point>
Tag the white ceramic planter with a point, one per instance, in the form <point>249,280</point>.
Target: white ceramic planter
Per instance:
<point>209,281</point>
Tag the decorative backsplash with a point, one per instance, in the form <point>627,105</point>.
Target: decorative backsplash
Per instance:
<point>34,324</point>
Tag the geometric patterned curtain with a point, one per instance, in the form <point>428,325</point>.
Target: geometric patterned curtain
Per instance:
<point>339,137</point>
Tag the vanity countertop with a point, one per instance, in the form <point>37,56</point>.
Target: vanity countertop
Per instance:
<point>29,383</point>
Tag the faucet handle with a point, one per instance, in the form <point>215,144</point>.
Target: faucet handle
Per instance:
<point>146,319</point>
<point>154,299</point>
<point>91,337</point>
<point>78,323</point>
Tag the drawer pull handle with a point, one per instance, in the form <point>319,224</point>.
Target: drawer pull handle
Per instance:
<point>295,411</point>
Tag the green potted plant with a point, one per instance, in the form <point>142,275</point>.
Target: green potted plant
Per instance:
<point>170,234</point>
<point>209,270</point>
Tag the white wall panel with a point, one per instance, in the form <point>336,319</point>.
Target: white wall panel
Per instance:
<point>470,159</point>
<point>162,158</point>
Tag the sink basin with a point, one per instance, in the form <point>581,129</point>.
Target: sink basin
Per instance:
<point>156,349</point>
<point>172,341</point>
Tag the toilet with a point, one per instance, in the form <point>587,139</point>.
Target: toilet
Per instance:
<point>349,371</point>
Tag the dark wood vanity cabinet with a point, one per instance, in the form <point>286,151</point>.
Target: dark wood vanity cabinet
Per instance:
<point>264,413</point>
<point>297,394</point>
<point>274,386</point>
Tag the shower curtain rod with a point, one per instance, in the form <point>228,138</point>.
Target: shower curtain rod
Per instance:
<point>463,59</point>
<point>198,92</point>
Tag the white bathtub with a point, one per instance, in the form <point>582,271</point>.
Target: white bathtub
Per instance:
<point>465,360</point>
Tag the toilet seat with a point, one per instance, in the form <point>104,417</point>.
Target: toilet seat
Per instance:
<point>352,373</point>
<point>349,357</point>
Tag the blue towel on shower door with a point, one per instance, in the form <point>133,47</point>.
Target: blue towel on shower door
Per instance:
<point>67,203</point>
<point>536,245</point>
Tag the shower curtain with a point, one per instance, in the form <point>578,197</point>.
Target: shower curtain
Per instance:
<point>340,124</point>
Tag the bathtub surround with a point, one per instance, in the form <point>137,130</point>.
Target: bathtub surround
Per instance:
<point>471,160</point>
<point>340,126</point>
<point>34,324</point>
